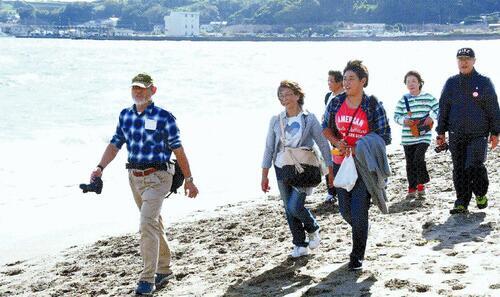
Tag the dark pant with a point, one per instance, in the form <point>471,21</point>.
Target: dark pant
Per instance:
<point>299,218</point>
<point>331,190</point>
<point>416,169</point>
<point>469,173</point>
<point>354,207</point>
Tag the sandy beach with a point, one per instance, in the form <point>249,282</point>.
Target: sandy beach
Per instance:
<point>417,249</point>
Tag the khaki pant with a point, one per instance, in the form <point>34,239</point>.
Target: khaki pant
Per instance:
<point>149,193</point>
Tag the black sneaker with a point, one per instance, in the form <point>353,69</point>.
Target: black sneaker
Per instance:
<point>459,209</point>
<point>355,264</point>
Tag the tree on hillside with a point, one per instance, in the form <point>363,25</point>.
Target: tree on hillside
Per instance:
<point>155,14</point>
<point>50,17</point>
<point>108,8</point>
<point>246,14</point>
<point>228,7</point>
<point>142,14</point>
<point>177,3</point>
<point>208,12</point>
<point>302,11</point>
<point>77,13</point>
<point>25,11</point>
<point>266,13</point>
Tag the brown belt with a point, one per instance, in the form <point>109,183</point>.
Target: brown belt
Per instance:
<point>145,172</point>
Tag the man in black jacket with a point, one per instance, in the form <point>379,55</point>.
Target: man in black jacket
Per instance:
<point>334,85</point>
<point>468,110</point>
<point>335,80</point>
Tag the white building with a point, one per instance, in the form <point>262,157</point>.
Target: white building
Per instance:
<point>182,24</point>
<point>111,22</point>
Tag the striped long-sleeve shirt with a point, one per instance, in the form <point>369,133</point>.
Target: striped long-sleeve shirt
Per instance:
<point>420,106</point>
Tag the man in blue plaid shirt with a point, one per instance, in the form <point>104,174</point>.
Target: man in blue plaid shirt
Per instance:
<point>151,135</point>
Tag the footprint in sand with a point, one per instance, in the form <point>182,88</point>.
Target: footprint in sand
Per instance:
<point>422,288</point>
<point>396,284</point>
<point>13,272</point>
<point>455,284</point>
<point>451,253</point>
<point>451,281</point>
<point>458,268</point>
<point>69,270</point>
<point>444,292</point>
<point>458,287</point>
<point>39,286</point>
<point>428,266</point>
<point>14,263</point>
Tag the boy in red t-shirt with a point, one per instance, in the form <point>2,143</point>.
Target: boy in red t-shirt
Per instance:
<point>348,118</point>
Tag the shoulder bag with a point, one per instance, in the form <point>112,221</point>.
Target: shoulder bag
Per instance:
<point>301,165</point>
<point>417,127</point>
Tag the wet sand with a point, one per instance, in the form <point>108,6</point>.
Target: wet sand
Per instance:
<point>417,249</point>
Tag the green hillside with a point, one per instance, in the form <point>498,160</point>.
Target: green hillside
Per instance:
<point>144,14</point>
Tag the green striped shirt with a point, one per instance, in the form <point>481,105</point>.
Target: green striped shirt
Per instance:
<point>420,106</point>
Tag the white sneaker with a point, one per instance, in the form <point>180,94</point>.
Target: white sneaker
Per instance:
<point>299,251</point>
<point>314,239</point>
<point>411,195</point>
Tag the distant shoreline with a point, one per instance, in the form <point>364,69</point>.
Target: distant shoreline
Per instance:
<point>255,38</point>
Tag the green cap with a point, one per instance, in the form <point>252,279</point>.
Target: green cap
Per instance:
<point>142,80</point>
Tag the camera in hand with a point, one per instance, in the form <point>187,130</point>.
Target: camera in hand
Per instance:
<point>94,186</point>
<point>442,147</point>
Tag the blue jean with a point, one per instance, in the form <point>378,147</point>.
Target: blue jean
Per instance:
<point>299,218</point>
<point>354,207</point>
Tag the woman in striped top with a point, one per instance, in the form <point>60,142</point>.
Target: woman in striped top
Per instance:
<point>421,105</point>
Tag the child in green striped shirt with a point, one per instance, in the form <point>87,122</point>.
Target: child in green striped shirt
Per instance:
<point>421,105</point>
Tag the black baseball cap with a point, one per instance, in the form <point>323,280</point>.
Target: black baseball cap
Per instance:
<point>466,52</point>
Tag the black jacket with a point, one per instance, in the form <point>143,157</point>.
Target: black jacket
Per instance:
<point>327,96</point>
<point>469,106</point>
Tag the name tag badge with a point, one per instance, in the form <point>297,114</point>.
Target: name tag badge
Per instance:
<point>150,124</point>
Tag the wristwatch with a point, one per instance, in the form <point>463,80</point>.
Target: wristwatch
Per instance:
<point>189,179</point>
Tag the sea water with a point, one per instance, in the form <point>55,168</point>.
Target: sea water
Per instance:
<point>61,99</point>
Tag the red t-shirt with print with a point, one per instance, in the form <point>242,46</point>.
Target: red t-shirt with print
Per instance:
<point>358,129</point>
